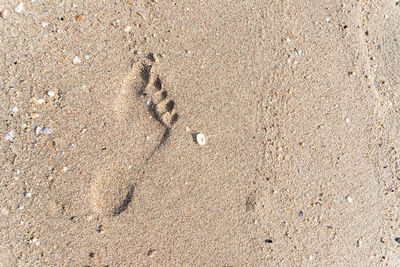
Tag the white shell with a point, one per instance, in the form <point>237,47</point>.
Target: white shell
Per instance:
<point>19,7</point>
<point>9,135</point>
<point>201,139</point>
<point>76,60</point>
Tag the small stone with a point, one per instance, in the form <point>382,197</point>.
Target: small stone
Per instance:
<point>349,199</point>
<point>51,93</point>
<point>268,241</point>
<point>347,120</point>
<point>87,57</point>
<point>116,23</point>
<point>40,101</point>
<point>201,139</point>
<point>151,252</point>
<point>14,109</point>
<point>64,169</point>
<point>359,243</point>
<point>46,131</point>
<point>35,115</point>
<point>38,129</point>
<point>19,7</point>
<point>21,222</point>
<point>9,135</point>
<point>4,211</point>
<point>147,138</point>
<point>301,214</point>
<point>127,29</point>
<point>397,239</point>
<point>4,13</point>
<point>76,60</point>
<point>43,24</point>
<point>28,194</point>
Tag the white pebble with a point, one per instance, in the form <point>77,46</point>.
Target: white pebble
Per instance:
<point>76,60</point>
<point>347,120</point>
<point>87,57</point>
<point>64,169</point>
<point>38,129</point>
<point>201,139</point>
<point>43,24</point>
<point>19,7</point>
<point>9,135</point>
<point>46,131</point>
<point>15,109</point>
<point>21,222</point>
<point>359,243</point>
<point>40,101</point>
<point>28,194</point>
<point>127,29</point>
<point>50,93</point>
<point>147,137</point>
<point>349,199</point>
<point>148,101</point>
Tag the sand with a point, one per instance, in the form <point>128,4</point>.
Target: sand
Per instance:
<point>101,103</point>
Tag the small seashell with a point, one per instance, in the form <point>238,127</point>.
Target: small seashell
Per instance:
<point>201,139</point>
<point>19,7</point>
<point>76,60</point>
<point>46,131</point>
<point>4,13</point>
<point>9,135</point>
<point>38,129</point>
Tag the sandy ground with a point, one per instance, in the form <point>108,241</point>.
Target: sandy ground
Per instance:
<point>298,100</point>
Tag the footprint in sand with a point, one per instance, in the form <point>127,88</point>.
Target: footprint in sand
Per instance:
<point>141,96</point>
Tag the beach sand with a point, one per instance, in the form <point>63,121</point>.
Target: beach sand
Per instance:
<point>101,103</point>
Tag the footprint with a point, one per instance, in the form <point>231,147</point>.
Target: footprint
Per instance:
<point>141,96</point>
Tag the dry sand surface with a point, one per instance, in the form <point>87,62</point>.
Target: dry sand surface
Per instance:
<point>101,102</point>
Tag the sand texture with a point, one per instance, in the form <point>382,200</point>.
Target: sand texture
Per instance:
<point>102,103</point>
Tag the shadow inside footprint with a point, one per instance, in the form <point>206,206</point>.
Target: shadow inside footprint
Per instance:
<point>125,203</point>
<point>145,75</point>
